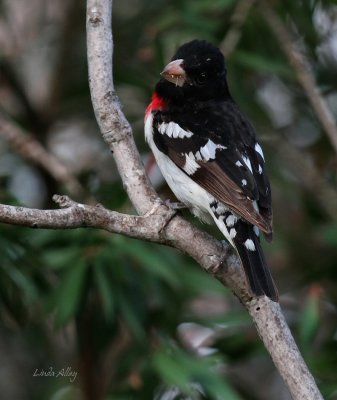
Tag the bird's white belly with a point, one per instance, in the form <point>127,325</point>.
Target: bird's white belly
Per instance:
<point>190,193</point>
<point>185,189</point>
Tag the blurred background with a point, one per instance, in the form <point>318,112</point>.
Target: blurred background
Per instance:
<point>107,317</point>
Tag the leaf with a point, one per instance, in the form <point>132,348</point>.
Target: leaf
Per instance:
<point>105,290</point>
<point>171,372</point>
<point>261,63</point>
<point>309,320</point>
<point>129,313</point>
<point>198,280</point>
<point>22,281</point>
<point>152,261</point>
<point>207,6</point>
<point>181,369</point>
<point>67,296</point>
<point>66,393</point>
<point>329,234</point>
<point>58,259</point>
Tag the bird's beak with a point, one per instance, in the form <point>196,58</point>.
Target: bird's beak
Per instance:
<point>174,72</point>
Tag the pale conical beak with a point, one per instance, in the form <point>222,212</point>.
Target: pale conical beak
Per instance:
<point>174,72</point>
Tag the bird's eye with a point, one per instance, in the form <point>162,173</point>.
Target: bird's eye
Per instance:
<point>201,78</point>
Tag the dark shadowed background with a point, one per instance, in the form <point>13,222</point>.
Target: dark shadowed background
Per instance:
<point>107,317</point>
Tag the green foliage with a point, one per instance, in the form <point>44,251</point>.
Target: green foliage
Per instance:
<point>177,368</point>
<point>262,64</point>
<point>104,282</point>
<point>309,320</point>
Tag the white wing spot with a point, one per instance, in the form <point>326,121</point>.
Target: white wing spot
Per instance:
<point>190,165</point>
<point>239,164</point>
<point>174,130</point>
<point>170,129</point>
<point>247,162</point>
<point>260,169</point>
<point>231,220</point>
<point>244,182</point>
<point>256,230</point>
<point>259,150</point>
<point>221,208</point>
<point>256,206</point>
<point>208,151</point>
<point>249,244</point>
<point>232,233</point>
<point>187,134</point>
<point>198,156</point>
<point>162,128</point>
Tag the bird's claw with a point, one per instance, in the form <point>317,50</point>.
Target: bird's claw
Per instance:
<point>174,205</point>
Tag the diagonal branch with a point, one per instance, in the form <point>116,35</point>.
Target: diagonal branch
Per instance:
<point>115,128</point>
<point>30,149</point>
<point>304,76</point>
<point>237,21</point>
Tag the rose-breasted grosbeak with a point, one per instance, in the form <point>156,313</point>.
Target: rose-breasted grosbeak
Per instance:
<point>207,151</point>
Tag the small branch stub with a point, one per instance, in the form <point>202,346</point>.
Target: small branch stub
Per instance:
<point>95,17</point>
<point>63,201</point>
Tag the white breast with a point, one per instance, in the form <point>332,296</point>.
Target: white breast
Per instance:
<point>185,189</point>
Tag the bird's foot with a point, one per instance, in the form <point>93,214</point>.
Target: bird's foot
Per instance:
<point>174,205</point>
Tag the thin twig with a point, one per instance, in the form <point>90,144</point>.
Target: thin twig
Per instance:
<point>76,215</point>
<point>304,76</point>
<point>303,168</point>
<point>160,225</point>
<point>30,149</point>
<point>63,52</point>
<point>237,21</point>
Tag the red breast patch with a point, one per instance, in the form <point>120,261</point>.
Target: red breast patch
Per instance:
<point>157,103</point>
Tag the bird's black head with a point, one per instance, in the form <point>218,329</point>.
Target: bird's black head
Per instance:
<point>197,72</point>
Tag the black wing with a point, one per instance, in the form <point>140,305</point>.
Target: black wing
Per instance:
<point>216,146</point>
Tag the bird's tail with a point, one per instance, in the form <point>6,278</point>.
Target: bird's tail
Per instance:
<point>254,264</point>
<point>247,243</point>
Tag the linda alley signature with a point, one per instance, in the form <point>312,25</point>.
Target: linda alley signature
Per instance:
<point>61,373</point>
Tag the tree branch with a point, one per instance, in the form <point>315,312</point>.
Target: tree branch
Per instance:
<point>237,21</point>
<point>76,215</point>
<point>115,128</point>
<point>304,76</point>
<point>30,149</point>
<point>277,338</point>
<point>303,168</point>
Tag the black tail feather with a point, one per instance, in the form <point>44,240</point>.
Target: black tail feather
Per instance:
<point>247,244</point>
<point>254,262</point>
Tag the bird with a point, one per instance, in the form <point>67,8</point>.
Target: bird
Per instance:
<point>208,153</point>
